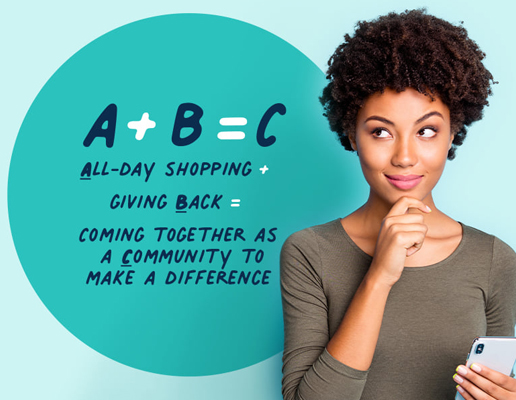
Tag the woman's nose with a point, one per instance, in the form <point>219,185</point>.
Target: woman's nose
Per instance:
<point>405,154</point>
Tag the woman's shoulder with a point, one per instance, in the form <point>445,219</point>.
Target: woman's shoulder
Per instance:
<point>310,236</point>
<point>309,243</point>
<point>481,241</point>
<point>478,236</point>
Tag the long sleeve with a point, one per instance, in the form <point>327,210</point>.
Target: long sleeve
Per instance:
<point>431,316</point>
<point>309,371</point>
<point>501,302</point>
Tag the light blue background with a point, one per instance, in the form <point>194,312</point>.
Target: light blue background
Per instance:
<point>42,360</point>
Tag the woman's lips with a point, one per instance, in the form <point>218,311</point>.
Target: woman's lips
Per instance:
<point>404,182</point>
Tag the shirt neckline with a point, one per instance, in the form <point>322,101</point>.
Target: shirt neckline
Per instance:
<point>446,260</point>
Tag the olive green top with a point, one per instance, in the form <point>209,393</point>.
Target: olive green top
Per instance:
<point>432,315</point>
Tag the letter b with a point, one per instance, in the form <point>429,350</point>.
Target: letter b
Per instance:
<point>181,202</point>
<point>187,122</point>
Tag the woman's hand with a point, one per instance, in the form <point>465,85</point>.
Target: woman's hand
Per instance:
<point>401,235</point>
<point>481,383</point>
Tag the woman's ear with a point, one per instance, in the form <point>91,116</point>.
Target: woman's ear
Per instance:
<point>352,140</point>
<point>452,136</point>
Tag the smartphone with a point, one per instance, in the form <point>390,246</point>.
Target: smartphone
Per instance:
<point>495,352</point>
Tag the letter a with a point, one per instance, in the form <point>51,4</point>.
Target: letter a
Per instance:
<point>260,236</point>
<point>107,257</point>
<point>109,116</point>
<point>150,278</point>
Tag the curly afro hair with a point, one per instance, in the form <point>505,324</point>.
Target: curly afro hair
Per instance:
<point>407,50</point>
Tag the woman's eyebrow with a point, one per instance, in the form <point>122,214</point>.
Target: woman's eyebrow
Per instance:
<point>381,119</point>
<point>386,121</point>
<point>430,114</point>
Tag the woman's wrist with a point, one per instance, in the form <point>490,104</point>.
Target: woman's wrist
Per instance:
<point>378,281</point>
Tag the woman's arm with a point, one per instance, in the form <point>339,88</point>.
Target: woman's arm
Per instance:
<point>401,235</point>
<point>480,382</point>
<point>310,370</point>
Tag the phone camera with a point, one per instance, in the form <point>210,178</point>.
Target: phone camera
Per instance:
<point>479,349</point>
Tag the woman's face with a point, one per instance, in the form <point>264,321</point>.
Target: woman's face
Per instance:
<point>402,141</point>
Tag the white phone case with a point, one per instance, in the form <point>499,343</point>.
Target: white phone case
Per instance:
<point>495,352</point>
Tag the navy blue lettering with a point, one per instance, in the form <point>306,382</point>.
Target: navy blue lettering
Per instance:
<point>109,116</point>
<point>193,121</point>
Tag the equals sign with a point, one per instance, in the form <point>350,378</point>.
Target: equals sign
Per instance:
<point>232,135</point>
<point>235,202</point>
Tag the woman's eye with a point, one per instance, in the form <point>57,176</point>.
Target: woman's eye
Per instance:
<point>381,133</point>
<point>427,132</point>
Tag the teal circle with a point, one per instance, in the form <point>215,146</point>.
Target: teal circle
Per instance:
<point>228,69</point>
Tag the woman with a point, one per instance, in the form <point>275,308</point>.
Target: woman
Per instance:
<point>384,303</point>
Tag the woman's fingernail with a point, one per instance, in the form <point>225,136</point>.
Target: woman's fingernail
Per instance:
<point>461,369</point>
<point>475,367</point>
<point>459,388</point>
<point>457,378</point>
<point>429,209</point>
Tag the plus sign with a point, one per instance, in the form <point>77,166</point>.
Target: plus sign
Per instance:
<point>141,126</point>
<point>264,169</point>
